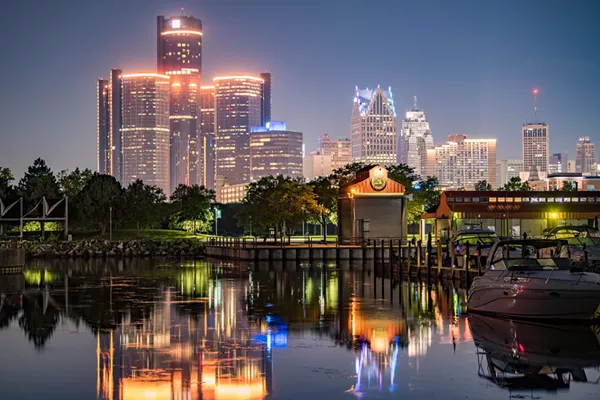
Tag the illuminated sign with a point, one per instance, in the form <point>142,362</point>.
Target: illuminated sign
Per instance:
<point>378,179</point>
<point>176,24</point>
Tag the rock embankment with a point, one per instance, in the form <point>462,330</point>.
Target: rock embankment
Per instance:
<point>98,248</point>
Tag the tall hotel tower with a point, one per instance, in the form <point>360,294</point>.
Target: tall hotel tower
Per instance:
<point>415,139</point>
<point>373,127</point>
<point>145,129</point>
<point>109,152</point>
<point>179,55</point>
<point>238,108</point>
<point>207,137</point>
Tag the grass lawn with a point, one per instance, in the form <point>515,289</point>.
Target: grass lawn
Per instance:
<point>133,234</point>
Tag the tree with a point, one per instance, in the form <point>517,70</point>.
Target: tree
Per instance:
<point>569,186</point>
<point>6,179</point>
<point>38,182</point>
<point>193,204</point>
<point>94,202</point>
<point>326,196</point>
<point>343,176</point>
<point>71,183</point>
<point>425,196</point>
<point>142,202</point>
<point>483,186</point>
<point>280,203</point>
<point>515,185</point>
<point>403,174</point>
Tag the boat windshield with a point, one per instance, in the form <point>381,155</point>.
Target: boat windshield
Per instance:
<point>486,240</point>
<point>577,236</point>
<point>524,257</point>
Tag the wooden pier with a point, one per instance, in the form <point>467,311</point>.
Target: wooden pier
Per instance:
<point>12,260</point>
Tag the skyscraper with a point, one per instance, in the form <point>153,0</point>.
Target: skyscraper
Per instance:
<point>266,98</point>
<point>316,164</point>
<point>179,55</point>
<point>507,169</point>
<point>146,129</point>
<point>585,155</point>
<point>103,151</point>
<point>558,163</point>
<point>373,126</point>
<point>238,107</point>
<point>275,151</point>
<point>462,162</point>
<point>207,137</point>
<point>115,122</point>
<point>415,139</point>
<point>340,150</point>
<point>536,145</point>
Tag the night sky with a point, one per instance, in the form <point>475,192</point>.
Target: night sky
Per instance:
<point>472,64</point>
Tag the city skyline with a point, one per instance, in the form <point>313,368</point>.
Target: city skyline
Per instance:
<point>496,97</point>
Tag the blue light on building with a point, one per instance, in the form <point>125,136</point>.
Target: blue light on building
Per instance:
<point>270,126</point>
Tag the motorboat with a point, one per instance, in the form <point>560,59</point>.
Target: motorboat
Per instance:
<point>580,239</point>
<point>480,242</point>
<point>535,278</point>
<point>531,355</point>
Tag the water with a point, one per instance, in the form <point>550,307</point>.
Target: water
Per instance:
<point>211,330</point>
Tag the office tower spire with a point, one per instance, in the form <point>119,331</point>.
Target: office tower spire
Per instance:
<point>373,126</point>
<point>415,139</point>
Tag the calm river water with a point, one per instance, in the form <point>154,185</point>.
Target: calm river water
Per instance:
<point>213,330</point>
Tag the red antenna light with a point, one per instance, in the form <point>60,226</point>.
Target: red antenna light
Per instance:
<point>535,91</point>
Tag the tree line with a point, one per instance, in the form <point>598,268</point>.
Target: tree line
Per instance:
<point>94,198</point>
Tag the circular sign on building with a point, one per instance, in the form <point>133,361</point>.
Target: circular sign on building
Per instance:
<point>378,182</point>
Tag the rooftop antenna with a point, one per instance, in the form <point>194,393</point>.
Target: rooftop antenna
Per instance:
<point>182,14</point>
<point>535,93</point>
<point>415,103</point>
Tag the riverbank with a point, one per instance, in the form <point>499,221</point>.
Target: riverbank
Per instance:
<point>99,248</point>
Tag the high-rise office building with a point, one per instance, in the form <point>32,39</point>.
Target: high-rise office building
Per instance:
<point>507,169</point>
<point>558,163</point>
<point>179,55</point>
<point>103,150</point>
<point>571,166</point>
<point>207,137</point>
<point>315,165</point>
<point>115,122</point>
<point>146,129</point>
<point>536,145</point>
<point>585,155</point>
<point>340,150</point>
<point>462,162</point>
<point>373,126</point>
<point>238,107</point>
<point>275,151</point>
<point>266,98</point>
<point>415,139</point>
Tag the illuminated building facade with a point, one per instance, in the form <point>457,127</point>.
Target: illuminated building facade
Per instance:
<point>275,151</point>
<point>536,145</point>
<point>266,99</point>
<point>115,96</point>
<point>558,163</point>
<point>103,150</point>
<point>415,139</point>
<point>373,127</point>
<point>507,169</point>
<point>179,55</point>
<point>207,137</point>
<point>340,150</point>
<point>146,129</point>
<point>316,164</point>
<point>585,156</point>
<point>462,162</point>
<point>226,193</point>
<point>238,107</point>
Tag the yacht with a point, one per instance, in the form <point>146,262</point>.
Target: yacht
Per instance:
<point>535,279</point>
<point>580,238</point>
<point>528,355</point>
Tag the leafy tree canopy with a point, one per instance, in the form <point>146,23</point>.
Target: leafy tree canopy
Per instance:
<point>483,186</point>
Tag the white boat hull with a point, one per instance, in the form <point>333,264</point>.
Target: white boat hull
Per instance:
<point>563,296</point>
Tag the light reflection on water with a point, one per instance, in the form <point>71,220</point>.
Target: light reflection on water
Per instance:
<point>144,329</point>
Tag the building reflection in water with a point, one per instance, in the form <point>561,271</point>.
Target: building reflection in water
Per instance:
<point>207,331</point>
<point>205,352</point>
